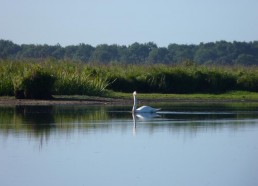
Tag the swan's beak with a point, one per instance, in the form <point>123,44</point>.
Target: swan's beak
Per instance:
<point>134,93</point>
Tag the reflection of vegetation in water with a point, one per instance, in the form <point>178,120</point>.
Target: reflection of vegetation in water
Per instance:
<point>43,121</point>
<point>196,117</point>
<point>30,120</point>
<point>9,121</point>
<point>83,118</point>
<point>38,121</point>
<point>193,124</point>
<point>79,114</point>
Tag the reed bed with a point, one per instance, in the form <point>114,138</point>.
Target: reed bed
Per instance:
<point>70,78</point>
<point>182,79</point>
<point>73,78</point>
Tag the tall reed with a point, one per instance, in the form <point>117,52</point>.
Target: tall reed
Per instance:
<point>88,79</point>
<point>71,78</point>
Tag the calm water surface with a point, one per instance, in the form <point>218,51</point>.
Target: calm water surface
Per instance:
<point>183,145</point>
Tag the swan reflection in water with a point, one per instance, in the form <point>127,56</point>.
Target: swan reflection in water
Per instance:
<point>142,117</point>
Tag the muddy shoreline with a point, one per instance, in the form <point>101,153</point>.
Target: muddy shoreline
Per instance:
<point>11,101</point>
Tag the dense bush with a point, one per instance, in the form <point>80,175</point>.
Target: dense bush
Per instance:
<point>248,82</point>
<point>37,84</point>
<point>183,79</point>
<point>31,79</point>
<point>77,79</point>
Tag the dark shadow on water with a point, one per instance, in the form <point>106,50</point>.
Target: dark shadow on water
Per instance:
<point>38,118</point>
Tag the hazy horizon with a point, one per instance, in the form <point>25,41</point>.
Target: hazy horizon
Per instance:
<point>127,45</point>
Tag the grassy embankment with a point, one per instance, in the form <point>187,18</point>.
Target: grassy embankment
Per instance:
<point>174,82</point>
<point>227,96</point>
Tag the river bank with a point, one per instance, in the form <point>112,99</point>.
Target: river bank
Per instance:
<point>116,98</point>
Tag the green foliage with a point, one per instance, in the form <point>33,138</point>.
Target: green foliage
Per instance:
<point>78,79</point>
<point>8,70</point>
<point>36,84</point>
<point>186,78</point>
<point>248,81</point>
<point>218,53</point>
<point>87,79</point>
<point>28,79</point>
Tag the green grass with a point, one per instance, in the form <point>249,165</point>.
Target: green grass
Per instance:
<point>233,95</point>
<point>179,82</point>
<point>71,78</point>
<point>182,79</point>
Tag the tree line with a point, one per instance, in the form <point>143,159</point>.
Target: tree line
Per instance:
<point>219,53</point>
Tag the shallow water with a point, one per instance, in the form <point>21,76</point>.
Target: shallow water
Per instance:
<point>104,145</point>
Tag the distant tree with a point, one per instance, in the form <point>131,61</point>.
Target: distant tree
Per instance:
<point>58,52</point>
<point>138,53</point>
<point>105,53</point>
<point>246,59</point>
<point>8,49</point>
<point>83,52</point>
<point>181,53</point>
<point>27,51</point>
<point>70,52</point>
<point>220,52</point>
<point>158,55</point>
<point>122,53</point>
<point>205,53</point>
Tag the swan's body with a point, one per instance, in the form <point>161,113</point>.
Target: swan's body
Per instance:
<point>146,109</point>
<point>143,109</point>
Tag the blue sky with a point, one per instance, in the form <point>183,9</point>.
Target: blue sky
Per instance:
<point>70,22</point>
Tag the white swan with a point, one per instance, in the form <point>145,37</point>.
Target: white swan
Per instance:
<point>143,109</point>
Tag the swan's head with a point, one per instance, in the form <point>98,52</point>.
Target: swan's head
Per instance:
<point>134,93</point>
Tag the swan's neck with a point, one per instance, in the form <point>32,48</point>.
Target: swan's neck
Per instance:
<point>134,103</point>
